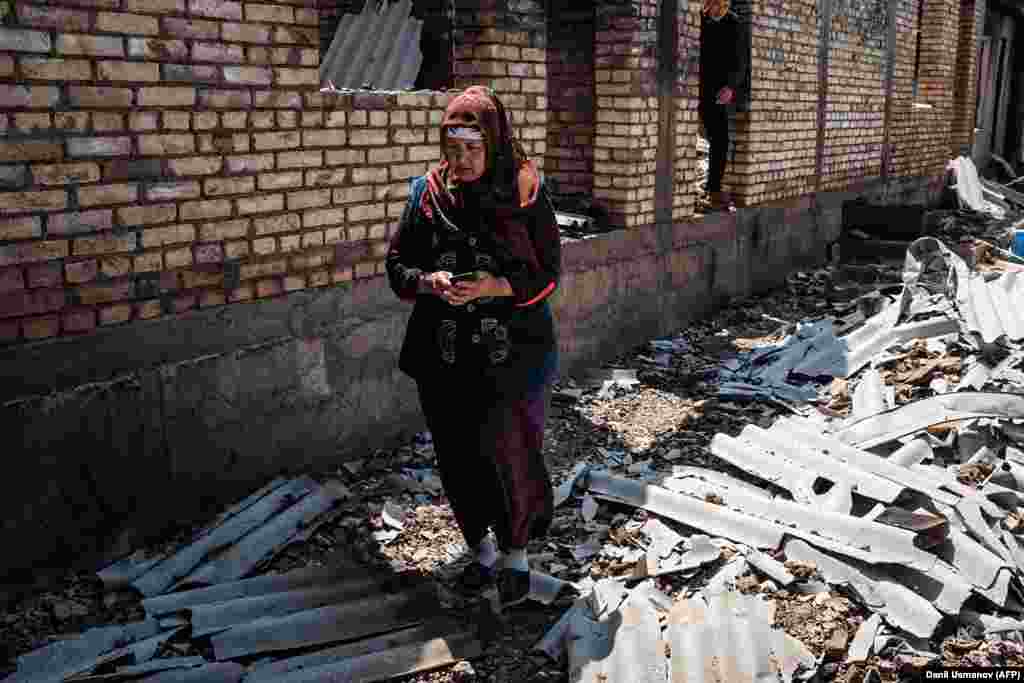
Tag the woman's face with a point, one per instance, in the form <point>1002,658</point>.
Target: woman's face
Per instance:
<point>466,158</point>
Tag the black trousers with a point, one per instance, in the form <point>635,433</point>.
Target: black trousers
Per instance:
<point>716,126</point>
<point>490,456</point>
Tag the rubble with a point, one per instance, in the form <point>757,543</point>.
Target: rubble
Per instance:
<point>835,470</point>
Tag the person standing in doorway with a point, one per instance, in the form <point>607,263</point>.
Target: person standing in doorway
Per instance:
<point>723,69</point>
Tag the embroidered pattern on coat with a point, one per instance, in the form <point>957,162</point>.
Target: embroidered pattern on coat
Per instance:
<point>495,338</point>
<point>446,340</point>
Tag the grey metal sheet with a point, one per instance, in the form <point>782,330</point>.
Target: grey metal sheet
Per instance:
<point>140,670</point>
<point>871,395</point>
<point>186,559</point>
<point>379,46</point>
<point>729,637</point>
<point>374,614</point>
<point>257,585</point>
<point>914,417</point>
<point>397,661</point>
<point>262,542</point>
<point>769,566</point>
<point>217,672</point>
<point>74,655</point>
<point>901,606</point>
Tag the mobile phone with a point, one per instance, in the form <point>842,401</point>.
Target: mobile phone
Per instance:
<point>464,277</point>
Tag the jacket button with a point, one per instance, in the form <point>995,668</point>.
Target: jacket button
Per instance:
<point>472,241</point>
<point>476,338</point>
<point>470,308</point>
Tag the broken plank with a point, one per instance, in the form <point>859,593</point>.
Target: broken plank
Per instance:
<point>373,614</point>
<point>274,534</point>
<point>391,663</point>
<point>177,566</point>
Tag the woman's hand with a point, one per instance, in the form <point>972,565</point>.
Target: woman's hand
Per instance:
<point>486,286</point>
<point>435,283</point>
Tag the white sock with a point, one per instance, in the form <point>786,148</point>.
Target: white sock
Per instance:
<point>516,559</point>
<point>486,552</point>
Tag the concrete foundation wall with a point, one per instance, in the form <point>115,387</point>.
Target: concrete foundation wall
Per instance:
<point>120,434</point>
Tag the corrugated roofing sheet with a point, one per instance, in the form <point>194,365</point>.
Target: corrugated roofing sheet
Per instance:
<point>378,48</point>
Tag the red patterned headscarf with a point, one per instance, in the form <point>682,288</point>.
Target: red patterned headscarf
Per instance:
<point>511,180</point>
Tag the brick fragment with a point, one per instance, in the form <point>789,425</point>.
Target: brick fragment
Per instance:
<point>43,69</point>
<point>108,70</point>
<point>191,28</point>
<point>24,202</point>
<point>100,97</point>
<point>99,147</point>
<point>167,97</point>
<point>246,33</point>
<point>104,244</point>
<point>153,48</point>
<point>218,52</point>
<point>96,195</point>
<point>78,222</point>
<point>124,22</point>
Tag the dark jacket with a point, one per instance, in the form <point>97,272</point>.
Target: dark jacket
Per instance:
<point>499,345</point>
<point>724,54</point>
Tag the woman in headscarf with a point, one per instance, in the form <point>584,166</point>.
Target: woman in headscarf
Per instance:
<point>478,251</point>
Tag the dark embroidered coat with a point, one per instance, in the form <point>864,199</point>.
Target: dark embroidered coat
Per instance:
<point>504,345</point>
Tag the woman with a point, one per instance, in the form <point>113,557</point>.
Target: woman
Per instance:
<point>481,346</point>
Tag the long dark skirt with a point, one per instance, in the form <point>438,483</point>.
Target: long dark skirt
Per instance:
<point>490,453</point>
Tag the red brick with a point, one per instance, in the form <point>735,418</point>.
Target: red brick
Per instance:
<point>209,298</point>
<point>30,150</point>
<point>307,17</point>
<point>155,6</point>
<point>100,97</point>
<point>165,191</point>
<point>37,96</point>
<point>278,99</point>
<point>276,181</point>
<point>277,140</point>
<point>221,186</point>
<point>214,208</point>
<point>64,224</point>
<point>146,310</point>
<point>248,75</point>
<point>59,18</point>
<point>190,279</point>
<point>288,222</point>
<point>303,159</point>
<point>41,328</point>
<point>79,320</point>
<point>218,9</point>
<point>6,65</point>
<point>316,218</point>
<point>134,169</point>
<point>116,266</point>
<point>42,69</point>
<point>225,99</point>
<point>107,121</point>
<point>297,35</point>
<point>328,137</point>
<point>122,22</point>
<point>11,280</point>
<point>260,203</point>
<point>250,163</point>
<point>172,234</point>
<point>44,275</point>
<point>218,52</point>
<point>113,315</point>
<point>189,28</point>
<point>225,230</point>
<point>24,202</point>
<point>24,41</point>
<point>290,77</point>
<point>308,199</point>
<point>24,228</point>
<point>190,166</point>
<point>246,33</point>
<point>161,50</point>
<point>65,174</point>
<point>148,262</point>
<point>109,70</point>
<point>147,215</point>
<point>158,145</point>
<point>31,303</point>
<point>178,258</point>
<point>208,253</point>
<point>95,195</point>
<point>81,271</point>
<point>77,121</point>
<point>104,244</point>
<point>105,293</point>
<point>99,147</point>
<point>272,14</point>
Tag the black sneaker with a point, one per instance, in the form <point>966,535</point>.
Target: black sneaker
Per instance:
<point>476,576</point>
<point>513,587</point>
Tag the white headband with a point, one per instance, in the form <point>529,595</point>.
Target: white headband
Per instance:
<point>465,134</point>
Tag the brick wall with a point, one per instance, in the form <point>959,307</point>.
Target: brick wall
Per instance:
<point>626,116</point>
<point>570,66</point>
<point>160,157</point>
<point>687,120</point>
<point>855,105</point>
<point>501,44</point>
<point>775,141</point>
<point>972,21</point>
<point>922,137</point>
